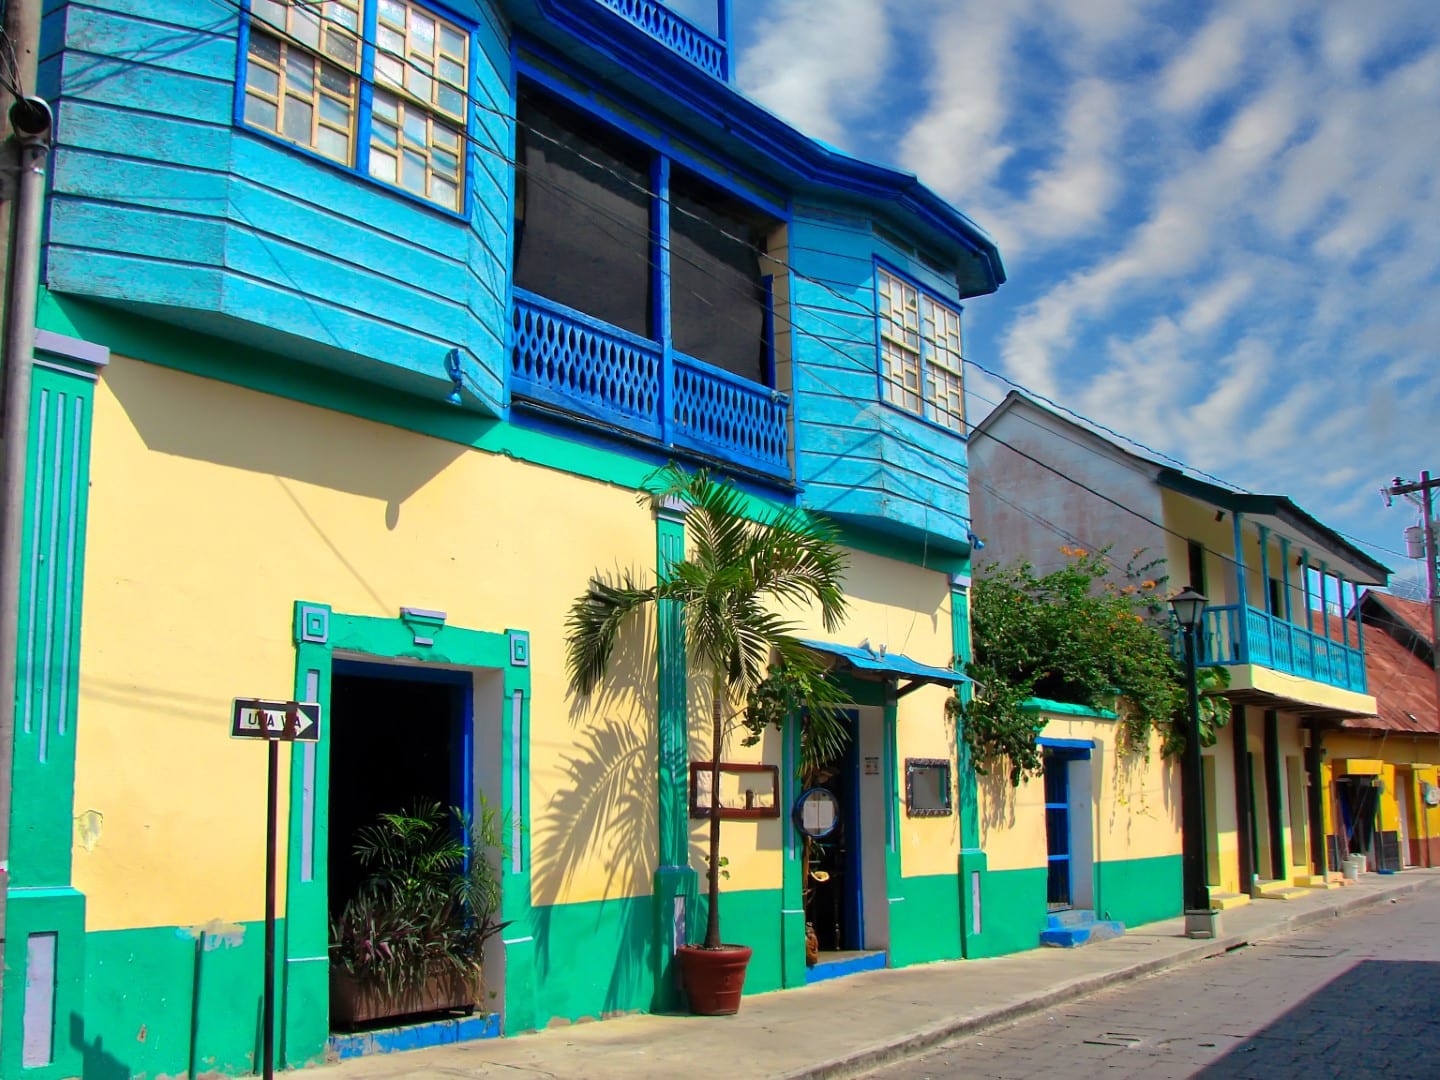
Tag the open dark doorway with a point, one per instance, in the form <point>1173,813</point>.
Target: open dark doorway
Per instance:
<point>833,892</point>
<point>399,736</point>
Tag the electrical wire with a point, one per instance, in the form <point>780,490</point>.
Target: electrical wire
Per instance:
<point>841,298</point>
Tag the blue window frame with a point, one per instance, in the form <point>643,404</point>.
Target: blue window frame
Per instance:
<point>921,365</point>
<point>377,86</point>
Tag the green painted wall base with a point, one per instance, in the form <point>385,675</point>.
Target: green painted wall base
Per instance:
<point>793,969</point>
<point>1012,912</point>
<point>167,1001</point>
<point>45,911</point>
<point>925,927</point>
<point>1138,891</point>
<point>974,865</point>
<point>750,917</point>
<point>674,903</point>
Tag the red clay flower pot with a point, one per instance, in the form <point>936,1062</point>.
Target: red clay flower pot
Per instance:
<point>714,978</point>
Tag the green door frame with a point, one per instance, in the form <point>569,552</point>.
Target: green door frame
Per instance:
<point>416,636</point>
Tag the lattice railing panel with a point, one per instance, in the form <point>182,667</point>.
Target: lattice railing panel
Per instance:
<point>560,358</point>
<point>679,33</point>
<point>717,412</point>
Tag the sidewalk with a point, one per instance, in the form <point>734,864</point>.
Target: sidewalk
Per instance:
<point>844,1026</point>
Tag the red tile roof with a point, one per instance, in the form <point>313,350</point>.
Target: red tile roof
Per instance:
<point>1412,613</point>
<point>1403,684</point>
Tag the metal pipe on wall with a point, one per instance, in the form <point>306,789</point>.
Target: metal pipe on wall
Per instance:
<point>30,120</point>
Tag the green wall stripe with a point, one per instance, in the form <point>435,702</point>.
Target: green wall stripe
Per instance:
<point>1139,891</point>
<point>51,587</point>
<point>673,816</point>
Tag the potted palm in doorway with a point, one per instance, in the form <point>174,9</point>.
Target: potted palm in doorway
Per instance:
<point>740,573</point>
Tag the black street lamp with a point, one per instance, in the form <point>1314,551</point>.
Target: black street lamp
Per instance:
<point>1201,920</point>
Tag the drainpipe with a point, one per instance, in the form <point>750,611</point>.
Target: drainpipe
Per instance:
<point>30,120</point>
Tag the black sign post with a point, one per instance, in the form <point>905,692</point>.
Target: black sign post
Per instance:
<point>275,722</point>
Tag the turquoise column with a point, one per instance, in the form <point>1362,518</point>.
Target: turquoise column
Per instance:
<point>972,867</point>
<point>792,894</point>
<point>44,952</point>
<point>675,881</point>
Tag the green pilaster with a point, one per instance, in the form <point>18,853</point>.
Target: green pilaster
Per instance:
<point>522,1006</point>
<point>894,881</point>
<point>305,1019</point>
<point>973,865</point>
<point>45,915</point>
<point>792,898</point>
<point>969,800</point>
<point>675,881</point>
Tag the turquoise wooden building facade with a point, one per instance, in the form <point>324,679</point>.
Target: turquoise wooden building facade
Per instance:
<point>547,234</point>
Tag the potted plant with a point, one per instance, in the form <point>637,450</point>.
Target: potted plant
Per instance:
<point>739,573</point>
<point>413,937</point>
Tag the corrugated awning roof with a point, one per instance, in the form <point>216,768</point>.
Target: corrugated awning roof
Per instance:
<point>867,663</point>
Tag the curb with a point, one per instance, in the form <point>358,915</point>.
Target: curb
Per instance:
<point>908,1044</point>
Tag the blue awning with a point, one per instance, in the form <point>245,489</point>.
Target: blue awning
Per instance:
<point>868,663</point>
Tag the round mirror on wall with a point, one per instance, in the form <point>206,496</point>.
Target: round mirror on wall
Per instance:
<point>817,813</point>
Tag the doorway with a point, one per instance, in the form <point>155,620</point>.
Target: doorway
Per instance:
<point>1057,832</point>
<point>1359,802</point>
<point>844,884</point>
<point>400,742</point>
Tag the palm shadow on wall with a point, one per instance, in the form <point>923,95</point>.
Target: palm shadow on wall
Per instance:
<point>604,813</point>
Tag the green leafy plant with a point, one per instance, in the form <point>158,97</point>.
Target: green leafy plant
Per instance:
<point>1085,634</point>
<point>429,902</point>
<point>739,571</point>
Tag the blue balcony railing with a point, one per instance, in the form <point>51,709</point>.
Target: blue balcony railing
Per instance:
<point>679,33</point>
<point>1282,646</point>
<point>570,362</point>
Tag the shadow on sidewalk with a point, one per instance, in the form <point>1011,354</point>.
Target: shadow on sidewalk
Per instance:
<point>1377,1017</point>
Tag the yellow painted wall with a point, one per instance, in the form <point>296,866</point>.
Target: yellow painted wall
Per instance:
<point>906,609</point>
<point>1223,833</point>
<point>212,510</point>
<point>1135,813</point>
<point>1418,757</point>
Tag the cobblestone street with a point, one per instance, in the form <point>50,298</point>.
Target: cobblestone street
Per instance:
<point>1354,997</point>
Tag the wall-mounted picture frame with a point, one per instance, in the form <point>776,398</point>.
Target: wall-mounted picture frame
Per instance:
<point>749,791</point>
<point>928,787</point>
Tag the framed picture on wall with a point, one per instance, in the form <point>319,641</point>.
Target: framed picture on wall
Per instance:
<point>927,787</point>
<point>748,790</point>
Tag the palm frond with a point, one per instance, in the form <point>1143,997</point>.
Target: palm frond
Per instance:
<point>595,621</point>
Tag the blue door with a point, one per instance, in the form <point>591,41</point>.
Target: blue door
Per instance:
<point>1057,831</point>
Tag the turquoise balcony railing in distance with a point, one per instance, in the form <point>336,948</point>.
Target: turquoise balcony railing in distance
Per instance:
<point>683,36</point>
<point>570,363</point>
<point>1270,642</point>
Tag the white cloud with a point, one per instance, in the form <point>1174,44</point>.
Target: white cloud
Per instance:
<point>814,63</point>
<point>1208,66</point>
<point>1223,235</point>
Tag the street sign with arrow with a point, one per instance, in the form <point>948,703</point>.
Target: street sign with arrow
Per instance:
<point>280,721</point>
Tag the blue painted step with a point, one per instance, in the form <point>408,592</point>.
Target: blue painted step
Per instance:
<point>1070,929</point>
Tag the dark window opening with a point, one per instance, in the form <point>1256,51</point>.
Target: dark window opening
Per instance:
<point>395,742</point>
<point>582,215</point>
<point>1277,598</point>
<point>718,294</point>
<point>1197,567</point>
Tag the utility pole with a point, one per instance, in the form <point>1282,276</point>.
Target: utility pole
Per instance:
<point>24,148</point>
<point>1425,487</point>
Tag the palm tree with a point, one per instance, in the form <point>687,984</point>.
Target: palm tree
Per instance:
<point>739,572</point>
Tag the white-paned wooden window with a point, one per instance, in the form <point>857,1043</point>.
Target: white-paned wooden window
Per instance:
<point>920,353</point>
<point>308,67</point>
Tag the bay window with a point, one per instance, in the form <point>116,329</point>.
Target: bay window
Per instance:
<point>379,86</point>
<point>921,368</point>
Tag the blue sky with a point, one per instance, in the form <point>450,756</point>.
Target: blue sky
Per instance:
<point>1221,221</point>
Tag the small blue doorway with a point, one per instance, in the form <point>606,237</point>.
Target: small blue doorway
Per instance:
<point>1057,831</point>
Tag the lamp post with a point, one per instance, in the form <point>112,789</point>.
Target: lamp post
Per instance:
<point>1201,920</point>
